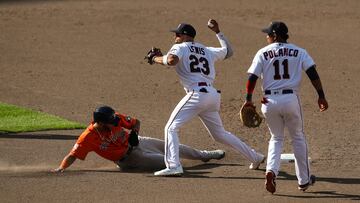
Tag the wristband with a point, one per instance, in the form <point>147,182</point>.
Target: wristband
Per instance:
<point>165,60</point>
<point>248,97</point>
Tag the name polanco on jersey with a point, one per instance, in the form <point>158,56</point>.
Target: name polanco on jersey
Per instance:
<point>280,52</point>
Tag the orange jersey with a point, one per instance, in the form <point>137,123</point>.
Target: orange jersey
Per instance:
<point>111,145</point>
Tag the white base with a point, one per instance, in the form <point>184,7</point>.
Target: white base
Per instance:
<point>289,158</point>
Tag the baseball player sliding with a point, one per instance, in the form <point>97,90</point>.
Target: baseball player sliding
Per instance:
<point>108,136</point>
<point>280,65</point>
<point>194,64</point>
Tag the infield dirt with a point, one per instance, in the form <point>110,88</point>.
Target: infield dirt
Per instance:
<point>68,57</point>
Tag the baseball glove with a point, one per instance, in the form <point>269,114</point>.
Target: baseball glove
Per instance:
<point>249,117</point>
<point>133,138</point>
<point>151,55</point>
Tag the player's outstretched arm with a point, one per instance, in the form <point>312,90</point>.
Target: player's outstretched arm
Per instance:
<point>214,26</point>
<point>67,161</point>
<point>168,60</point>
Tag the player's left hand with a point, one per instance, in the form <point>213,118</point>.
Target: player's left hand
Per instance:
<point>154,52</point>
<point>323,105</point>
<point>248,115</point>
<point>134,138</point>
<point>249,103</point>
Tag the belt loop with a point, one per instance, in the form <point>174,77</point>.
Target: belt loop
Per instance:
<point>274,92</point>
<point>202,84</point>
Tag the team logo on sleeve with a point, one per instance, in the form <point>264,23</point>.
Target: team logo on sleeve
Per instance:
<point>104,145</point>
<point>172,51</point>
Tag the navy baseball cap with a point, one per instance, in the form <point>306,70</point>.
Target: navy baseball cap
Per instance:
<point>185,29</point>
<point>106,114</point>
<point>276,27</point>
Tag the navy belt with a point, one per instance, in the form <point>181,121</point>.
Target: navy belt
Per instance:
<point>285,91</point>
<point>200,84</point>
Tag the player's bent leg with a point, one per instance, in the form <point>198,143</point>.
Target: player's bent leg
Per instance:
<point>188,152</point>
<point>141,160</point>
<point>213,123</point>
<point>150,144</point>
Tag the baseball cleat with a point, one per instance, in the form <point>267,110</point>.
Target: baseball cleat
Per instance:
<point>215,154</point>
<point>170,172</point>
<point>255,165</point>
<point>307,185</point>
<point>270,184</point>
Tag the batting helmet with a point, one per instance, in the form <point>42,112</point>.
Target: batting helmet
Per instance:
<point>106,114</point>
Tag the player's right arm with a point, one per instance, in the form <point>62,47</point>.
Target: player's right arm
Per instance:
<point>66,162</point>
<point>79,151</point>
<point>225,44</point>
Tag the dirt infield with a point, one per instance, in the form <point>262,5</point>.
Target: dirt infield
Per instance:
<point>67,57</point>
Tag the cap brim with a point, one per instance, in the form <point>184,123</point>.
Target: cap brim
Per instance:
<point>175,31</point>
<point>266,30</point>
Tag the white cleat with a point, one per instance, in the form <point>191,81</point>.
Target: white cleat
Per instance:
<point>170,172</point>
<point>307,185</point>
<point>215,154</point>
<point>255,165</point>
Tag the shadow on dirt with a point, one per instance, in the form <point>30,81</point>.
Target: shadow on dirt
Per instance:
<point>28,1</point>
<point>285,176</point>
<point>322,195</point>
<point>39,136</point>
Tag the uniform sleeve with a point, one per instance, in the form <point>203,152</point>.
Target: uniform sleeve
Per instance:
<point>307,61</point>
<point>224,42</point>
<point>218,53</point>
<point>256,65</point>
<point>127,121</point>
<point>81,148</point>
<point>176,50</point>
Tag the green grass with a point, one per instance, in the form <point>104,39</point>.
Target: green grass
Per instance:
<point>19,119</point>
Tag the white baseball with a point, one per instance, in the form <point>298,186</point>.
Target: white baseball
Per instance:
<point>210,24</point>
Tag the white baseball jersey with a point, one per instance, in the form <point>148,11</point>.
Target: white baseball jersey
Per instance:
<point>196,62</point>
<point>280,66</point>
<point>196,67</point>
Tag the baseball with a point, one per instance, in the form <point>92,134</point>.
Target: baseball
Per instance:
<point>210,24</point>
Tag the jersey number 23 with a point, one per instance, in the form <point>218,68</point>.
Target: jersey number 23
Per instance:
<point>199,65</point>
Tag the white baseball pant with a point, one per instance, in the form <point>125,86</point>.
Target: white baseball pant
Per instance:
<point>206,106</point>
<point>149,154</point>
<point>284,110</point>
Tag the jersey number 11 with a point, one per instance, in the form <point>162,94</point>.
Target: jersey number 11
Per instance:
<point>277,75</point>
